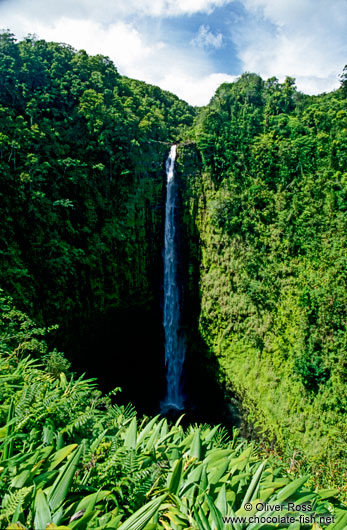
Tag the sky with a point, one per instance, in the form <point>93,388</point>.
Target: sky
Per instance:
<point>190,47</point>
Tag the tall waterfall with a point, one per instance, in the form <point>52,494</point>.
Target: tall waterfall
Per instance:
<point>174,342</point>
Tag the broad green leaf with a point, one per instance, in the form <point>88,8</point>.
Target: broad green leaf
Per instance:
<point>204,479</point>
<point>140,518</point>
<point>20,480</point>
<point>3,432</point>
<point>164,429</point>
<point>217,473</point>
<point>44,479</point>
<point>179,420</point>
<point>291,488</point>
<point>58,515</point>
<point>254,483</point>
<point>187,442</point>
<point>279,483</point>
<point>193,478</point>
<point>60,455</point>
<point>53,526</point>
<point>114,522</point>
<point>62,483</point>
<point>60,440</point>
<point>204,519</point>
<point>131,435</point>
<point>174,479</point>
<point>341,522</point>
<point>154,436</point>
<point>214,456</point>
<point>210,434</point>
<point>42,511</point>
<point>221,501</point>
<point>93,498</point>
<point>327,494</point>
<point>174,454</point>
<point>195,449</point>
<point>176,517</point>
<point>198,520</point>
<point>215,514</point>
<point>241,461</point>
<point>146,430</point>
<point>265,494</point>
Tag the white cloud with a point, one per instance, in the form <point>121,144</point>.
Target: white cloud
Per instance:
<point>207,39</point>
<point>176,7</point>
<point>305,39</point>
<point>301,14</point>
<point>123,43</point>
<point>197,90</point>
<point>105,11</point>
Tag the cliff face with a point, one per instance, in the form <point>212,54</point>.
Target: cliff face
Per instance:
<point>269,206</point>
<point>82,189</point>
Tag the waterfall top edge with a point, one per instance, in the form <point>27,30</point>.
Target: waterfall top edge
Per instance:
<point>173,152</point>
<point>170,163</point>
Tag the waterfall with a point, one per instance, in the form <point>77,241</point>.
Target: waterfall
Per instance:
<point>174,342</point>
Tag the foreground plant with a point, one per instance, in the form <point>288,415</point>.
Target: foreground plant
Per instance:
<point>70,459</point>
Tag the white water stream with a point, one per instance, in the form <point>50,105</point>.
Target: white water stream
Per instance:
<point>174,343</point>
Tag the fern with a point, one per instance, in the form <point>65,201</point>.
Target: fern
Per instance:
<point>79,422</point>
<point>222,437</point>
<point>122,414</point>
<point>129,461</point>
<point>12,501</point>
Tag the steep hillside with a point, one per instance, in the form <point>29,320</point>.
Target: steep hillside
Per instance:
<point>81,157</point>
<point>82,190</point>
<point>269,208</point>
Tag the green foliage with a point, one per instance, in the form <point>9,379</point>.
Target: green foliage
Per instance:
<point>81,159</point>
<point>269,204</point>
<point>78,462</point>
<point>344,80</point>
<point>56,363</point>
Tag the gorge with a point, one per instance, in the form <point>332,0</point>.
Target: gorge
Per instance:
<point>255,283</point>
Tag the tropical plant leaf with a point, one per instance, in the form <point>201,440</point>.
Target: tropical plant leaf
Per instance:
<point>42,511</point>
<point>174,479</point>
<point>195,450</point>
<point>61,486</point>
<point>254,483</point>
<point>292,488</point>
<point>140,518</point>
<point>60,455</point>
<point>131,435</point>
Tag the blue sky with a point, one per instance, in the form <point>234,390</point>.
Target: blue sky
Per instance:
<point>191,46</point>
